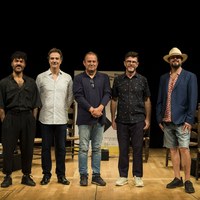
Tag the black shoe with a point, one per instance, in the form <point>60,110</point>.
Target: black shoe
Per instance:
<point>98,180</point>
<point>189,187</point>
<point>27,180</point>
<point>63,180</point>
<point>175,183</point>
<point>7,181</point>
<point>83,180</point>
<point>45,180</point>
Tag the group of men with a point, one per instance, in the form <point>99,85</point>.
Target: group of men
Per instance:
<point>24,100</point>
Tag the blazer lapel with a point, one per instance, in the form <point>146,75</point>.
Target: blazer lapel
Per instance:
<point>180,77</point>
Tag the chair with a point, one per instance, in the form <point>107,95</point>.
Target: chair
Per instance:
<point>146,142</point>
<point>37,147</point>
<point>197,170</point>
<point>72,144</point>
<point>197,167</point>
<point>194,143</point>
<point>37,151</point>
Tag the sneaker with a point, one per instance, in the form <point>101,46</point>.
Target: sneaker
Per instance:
<point>189,187</point>
<point>175,183</point>
<point>27,180</point>
<point>121,181</point>
<point>98,180</point>
<point>7,181</point>
<point>84,180</point>
<point>138,181</point>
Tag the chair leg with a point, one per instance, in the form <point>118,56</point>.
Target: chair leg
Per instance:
<point>146,149</point>
<point>167,157</point>
<point>72,146</point>
<point>197,170</point>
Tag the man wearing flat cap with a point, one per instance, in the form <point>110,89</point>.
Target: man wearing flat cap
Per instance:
<point>175,111</point>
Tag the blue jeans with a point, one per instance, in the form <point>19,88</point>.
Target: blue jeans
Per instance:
<point>95,134</point>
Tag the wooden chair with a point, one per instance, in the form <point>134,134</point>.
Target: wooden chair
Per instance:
<point>146,142</point>
<point>72,140</point>
<point>197,170</point>
<point>197,157</point>
<point>194,143</point>
<point>37,151</point>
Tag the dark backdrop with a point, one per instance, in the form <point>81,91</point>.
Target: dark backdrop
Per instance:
<point>109,30</point>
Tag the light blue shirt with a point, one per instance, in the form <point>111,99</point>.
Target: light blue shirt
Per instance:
<point>56,96</point>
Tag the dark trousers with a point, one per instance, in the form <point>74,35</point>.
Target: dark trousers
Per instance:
<point>130,134</point>
<point>18,127</point>
<point>53,134</point>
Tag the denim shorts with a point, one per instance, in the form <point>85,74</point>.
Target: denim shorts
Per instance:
<point>174,136</point>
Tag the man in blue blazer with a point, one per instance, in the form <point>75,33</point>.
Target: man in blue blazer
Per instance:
<point>175,110</point>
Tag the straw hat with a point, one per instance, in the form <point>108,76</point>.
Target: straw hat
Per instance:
<point>175,52</point>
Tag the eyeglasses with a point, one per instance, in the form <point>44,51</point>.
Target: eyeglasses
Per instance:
<point>92,83</point>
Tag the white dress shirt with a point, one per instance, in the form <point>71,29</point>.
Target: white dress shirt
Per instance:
<point>56,96</point>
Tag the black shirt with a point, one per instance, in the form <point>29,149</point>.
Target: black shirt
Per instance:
<point>131,94</point>
<point>13,97</point>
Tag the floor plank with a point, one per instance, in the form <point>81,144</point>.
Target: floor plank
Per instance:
<point>156,176</point>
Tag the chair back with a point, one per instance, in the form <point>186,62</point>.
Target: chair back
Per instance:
<point>71,121</point>
<point>195,133</point>
<point>72,139</point>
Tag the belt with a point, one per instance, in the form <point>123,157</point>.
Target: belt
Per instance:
<point>18,111</point>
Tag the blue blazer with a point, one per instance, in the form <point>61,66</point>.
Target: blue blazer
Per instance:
<point>183,99</point>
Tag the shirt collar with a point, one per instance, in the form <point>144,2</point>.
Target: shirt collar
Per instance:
<point>178,71</point>
<point>125,76</point>
<point>50,73</point>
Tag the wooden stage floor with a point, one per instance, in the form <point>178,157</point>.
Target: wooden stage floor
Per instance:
<point>156,176</point>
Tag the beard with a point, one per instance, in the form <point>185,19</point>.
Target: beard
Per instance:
<point>18,70</point>
<point>175,65</point>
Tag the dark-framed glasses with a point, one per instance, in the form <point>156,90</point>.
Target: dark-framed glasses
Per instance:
<point>92,83</point>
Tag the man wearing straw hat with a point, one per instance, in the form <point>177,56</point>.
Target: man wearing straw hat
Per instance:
<point>175,110</point>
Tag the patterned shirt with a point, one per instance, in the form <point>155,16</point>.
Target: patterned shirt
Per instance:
<point>172,82</point>
<point>131,94</point>
<point>56,96</point>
